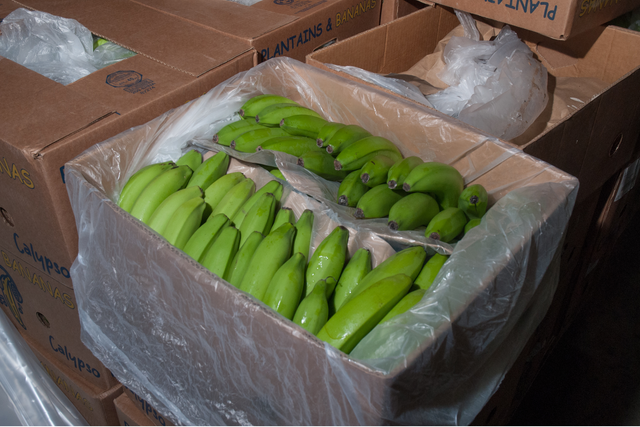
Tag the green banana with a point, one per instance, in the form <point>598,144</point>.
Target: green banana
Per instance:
<point>235,198</point>
<point>165,210</point>
<point>430,271</point>
<point>327,132</point>
<point>273,251</point>
<point>444,182</point>
<point>303,125</point>
<point>254,105</point>
<point>216,191</point>
<point>357,317</point>
<point>401,170</point>
<point>313,311</point>
<point>294,145</point>
<point>210,170</point>
<point>405,304</point>
<point>233,130</point>
<point>472,223</point>
<point>360,152</point>
<point>249,141</point>
<point>192,158</point>
<point>285,288</point>
<point>408,261</point>
<point>356,269</point>
<point>243,258</point>
<point>284,215</point>
<point>351,189</point>
<point>412,211</point>
<point>375,171</point>
<point>278,174</point>
<point>164,185</point>
<point>377,202</point>
<point>304,229</point>
<point>275,113</point>
<point>260,217</point>
<point>474,201</point>
<point>218,259</point>
<point>328,258</point>
<point>273,187</point>
<point>344,137</point>
<point>184,222</point>
<point>446,225</point>
<point>202,239</point>
<point>138,182</point>
<point>321,164</point>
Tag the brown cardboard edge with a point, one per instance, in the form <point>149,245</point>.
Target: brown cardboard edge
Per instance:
<point>126,408</point>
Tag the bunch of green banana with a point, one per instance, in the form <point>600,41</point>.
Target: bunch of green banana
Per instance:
<point>210,170</point>
<point>162,215</point>
<point>446,225</point>
<point>430,271</point>
<point>313,311</point>
<point>273,187</point>
<point>356,269</point>
<point>285,288</point>
<point>442,181</point>
<point>377,202</point>
<point>351,189</point>
<point>219,257</point>
<point>343,138</point>
<point>321,164</point>
<point>243,258</point>
<point>139,181</point>
<point>304,229</point>
<point>361,151</point>
<point>233,130</point>
<point>184,222</point>
<point>257,103</point>
<point>216,191</point>
<point>273,114</point>
<point>327,131</point>
<point>203,238</point>
<point>400,171</point>
<point>375,171</point>
<point>303,125</point>
<point>328,259</point>
<point>260,217</point>
<point>412,211</point>
<point>235,198</point>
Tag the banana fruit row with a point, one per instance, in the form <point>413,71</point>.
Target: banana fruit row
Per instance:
<point>374,177</point>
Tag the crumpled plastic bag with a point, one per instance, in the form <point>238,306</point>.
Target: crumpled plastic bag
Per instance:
<point>494,85</point>
<point>58,48</point>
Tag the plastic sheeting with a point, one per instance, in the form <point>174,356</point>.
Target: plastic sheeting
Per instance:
<point>202,352</point>
<point>36,399</point>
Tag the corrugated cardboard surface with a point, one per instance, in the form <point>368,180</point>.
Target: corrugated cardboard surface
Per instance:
<point>279,28</point>
<point>46,311</point>
<point>152,416</point>
<point>129,414</point>
<point>94,404</point>
<point>558,19</point>
<point>44,124</point>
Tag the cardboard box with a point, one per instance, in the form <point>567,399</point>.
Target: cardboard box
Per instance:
<point>221,356</point>
<point>593,141</point>
<point>128,412</point>
<point>46,311</point>
<point>153,417</point>
<point>93,403</point>
<point>279,27</point>
<point>45,124</point>
<point>558,19</point>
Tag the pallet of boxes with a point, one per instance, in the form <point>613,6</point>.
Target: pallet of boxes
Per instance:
<point>72,77</point>
<point>588,125</point>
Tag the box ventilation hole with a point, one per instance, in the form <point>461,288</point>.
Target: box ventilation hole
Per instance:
<point>616,145</point>
<point>6,217</point>
<point>329,43</point>
<point>43,319</point>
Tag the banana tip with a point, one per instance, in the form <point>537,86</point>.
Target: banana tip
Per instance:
<point>281,122</point>
<point>392,184</point>
<point>300,162</point>
<point>343,201</point>
<point>329,149</point>
<point>406,187</point>
<point>393,225</point>
<point>258,148</point>
<point>473,199</point>
<point>435,236</point>
<point>319,142</point>
<point>233,144</point>
<point>359,214</point>
<point>215,138</point>
<point>241,112</point>
<point>336,164</point>
<point>365,178</point>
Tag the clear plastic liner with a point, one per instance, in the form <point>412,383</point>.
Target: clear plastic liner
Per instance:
<point>202,352</point>
<point>58,48</point>
<point>36,399</point>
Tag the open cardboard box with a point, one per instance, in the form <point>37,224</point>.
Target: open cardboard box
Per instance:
<point>590,138</point>
<point>203,352</point>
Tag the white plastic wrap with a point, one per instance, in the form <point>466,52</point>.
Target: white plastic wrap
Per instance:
<point>36,399</point>
<point>58,48</point>
<point>202,352</point>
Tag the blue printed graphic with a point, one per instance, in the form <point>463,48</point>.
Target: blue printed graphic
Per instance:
<point>10,296</point>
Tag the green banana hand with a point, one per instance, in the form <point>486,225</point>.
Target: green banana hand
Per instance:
<point>249,141</point>
<point>284,215</point>
<point>164,185</point>
<point>313,311</point>
<point>210,170</point>
<point>328,258</point>
<point>413,211</point>
<point>272,252</point>
<point>321,164</point>
<point>275,113</point>
<point>474,201</point>
<point>405,304</point>
<point>357,317</point>
<point>202,239</point>
<point>444,182</point>
<point>273,187</point>
<point>161,216</point>
<point>138,182</point>
<point>351,189</point>
<point>360,152</point>
<point>192,158</point>
<point>303,125</point>
<point>327,131</point>
<point>285,289</point>
<point>356,269</point>
<point>234,130</point>
<point>260,217</point>
<point>216,191</point>
<point>184,222</point>
<point>375,171</point>
<point>401,170</point>
<point>377,202</point>
<point>243,258</point>
<point>219,257</point>
<point>446,225</point>
<point>235,198</point>
<point>293,145</point>
<point>304,229</point>
<point>430,271</point>
<point>344,137</point>
<point>257,103</point>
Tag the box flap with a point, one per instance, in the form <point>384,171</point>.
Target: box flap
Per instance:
<point>297,8</point>
<point>159,36</point>
<point>37,111</point>
<point>222,15</point>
